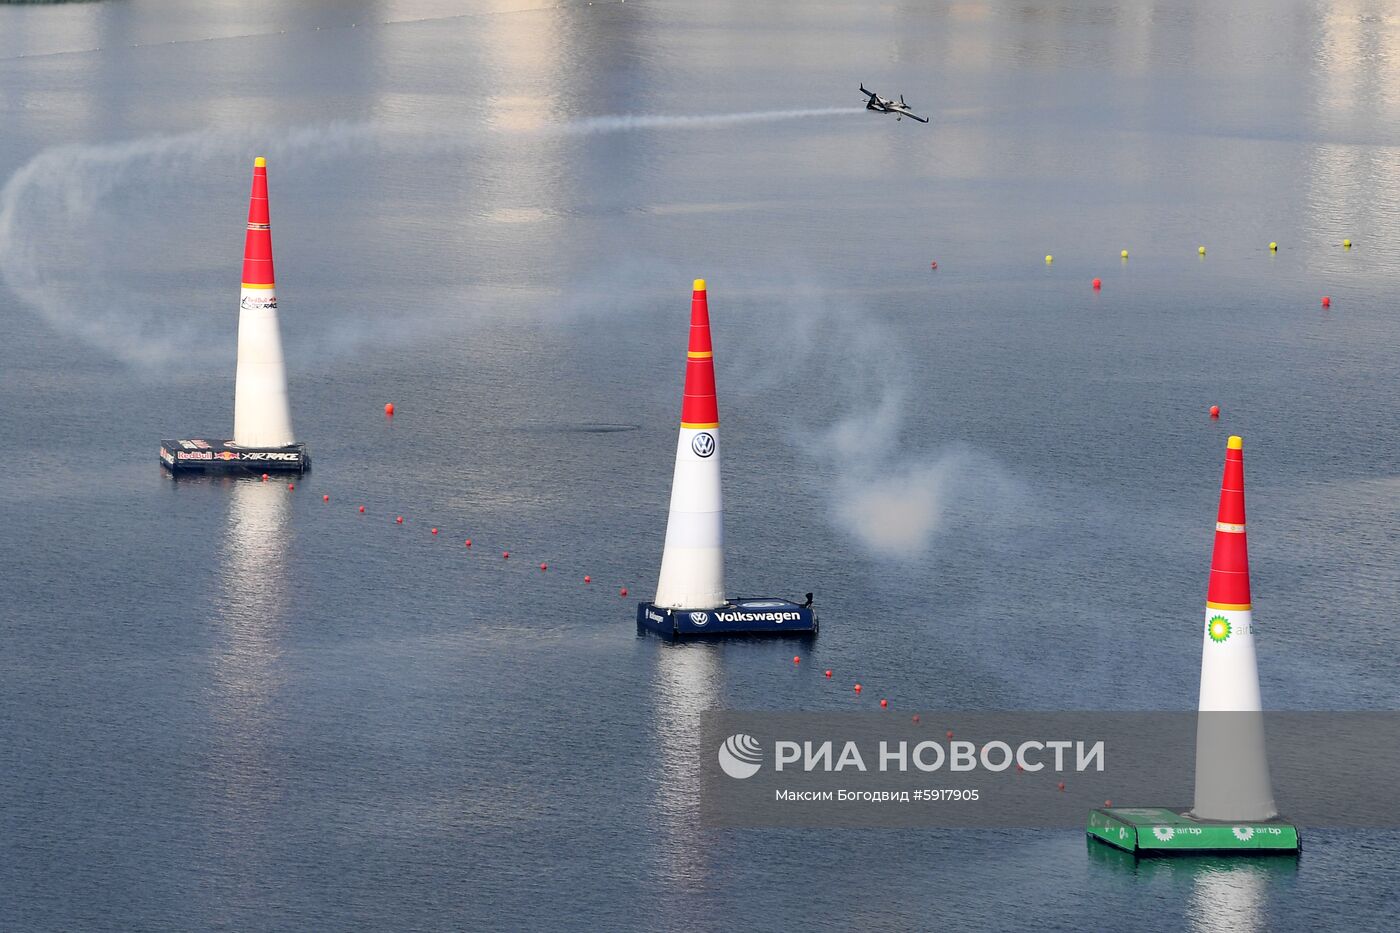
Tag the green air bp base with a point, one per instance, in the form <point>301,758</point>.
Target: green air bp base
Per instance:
<point>1161,831</point>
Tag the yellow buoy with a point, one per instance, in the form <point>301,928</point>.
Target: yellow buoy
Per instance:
<point>1273,247</point>
<point>1201,250</point>
<point>1124,254</point>
<point>1049,259</point>
<point>1346,244</point>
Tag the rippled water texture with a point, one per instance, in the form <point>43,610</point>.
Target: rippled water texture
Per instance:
<point>233,705</point>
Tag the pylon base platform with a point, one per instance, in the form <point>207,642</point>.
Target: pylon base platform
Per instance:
<point>196,455</point>
<point>764,615</point>
<point>1150,831</point>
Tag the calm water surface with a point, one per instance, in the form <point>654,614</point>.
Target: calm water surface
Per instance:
<point>228,705</point>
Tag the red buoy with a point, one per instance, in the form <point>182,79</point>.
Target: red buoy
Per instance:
<point>505,555</point>
<point>884,703</point>
<point>587,579</point>
<point>916,717</point>
<point>468,542</point>
<point>933,265</point>
<point>1108,803</point>
<point>264,477</point>
<point>796,659</point>
<point>362,508</point>
<point>544,566</point>
<point>828,675</point>
<point>950,733</point>
<point>857,688</point>
<point>1098,283</point>
<point>325,498</point>
<point>622,592</point>
<point>291,485</point>
<point>1062,785</point>
<point>389,410</point>
<point>1326,301</point>
<point>399,520</point>
<point>1215,411</point>
<point>434,531</point>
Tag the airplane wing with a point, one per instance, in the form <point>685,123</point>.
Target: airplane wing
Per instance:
<point>914,116</point>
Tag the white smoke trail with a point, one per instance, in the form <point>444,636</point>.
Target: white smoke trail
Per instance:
<point>71,234</point>
<point>627,122</point>
<point>71,225</point>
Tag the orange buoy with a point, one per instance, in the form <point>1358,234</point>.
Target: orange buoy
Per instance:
<point>1326,301</point>
<point>1098,283</point>
<point>389,409</point>
<point>1215,411</point>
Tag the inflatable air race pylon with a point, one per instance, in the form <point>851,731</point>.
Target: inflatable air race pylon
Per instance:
<point>262,418</point>
<point>690,596</point>
<point>1234,808</point>
<point>1232,770</point>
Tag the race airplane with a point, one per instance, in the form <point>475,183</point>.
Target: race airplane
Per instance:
<point>880,105</point>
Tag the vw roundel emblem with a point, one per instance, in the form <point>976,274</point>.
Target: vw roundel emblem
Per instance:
<point>699,618</point>
<point>703,444</point>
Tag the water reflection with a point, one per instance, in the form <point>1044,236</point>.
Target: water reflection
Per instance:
<point>247,644</point>
<point>686,683</point>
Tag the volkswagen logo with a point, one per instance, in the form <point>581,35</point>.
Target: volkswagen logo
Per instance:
<point>703,444</point>
<point>699,618</point>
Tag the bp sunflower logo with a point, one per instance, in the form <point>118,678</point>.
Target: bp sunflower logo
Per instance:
<point>1218,628</point>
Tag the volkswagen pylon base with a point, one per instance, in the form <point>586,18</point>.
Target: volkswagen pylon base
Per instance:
<point>759,616</point>
<point>1162,831</point>
<point>195,455</point>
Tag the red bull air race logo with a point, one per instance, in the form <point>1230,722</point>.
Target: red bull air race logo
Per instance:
<point>266,302</point>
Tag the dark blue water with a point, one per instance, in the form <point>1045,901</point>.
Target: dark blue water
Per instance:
<point>227,704</point>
